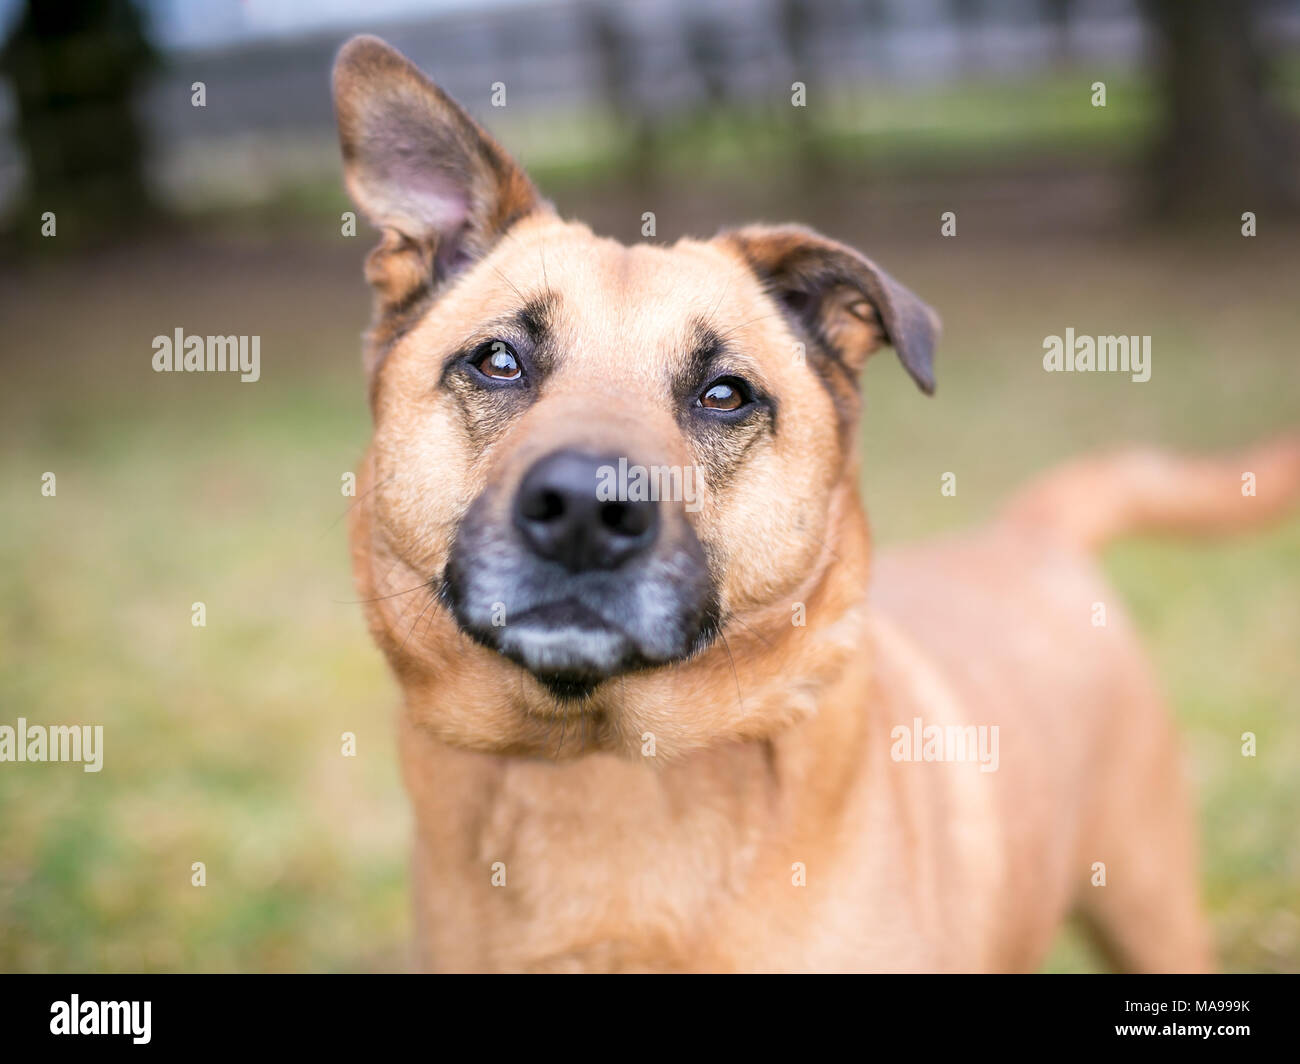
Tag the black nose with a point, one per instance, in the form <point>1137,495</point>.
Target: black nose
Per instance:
<point>568,513</point>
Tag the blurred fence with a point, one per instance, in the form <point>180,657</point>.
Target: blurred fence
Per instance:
<point>267,118</point>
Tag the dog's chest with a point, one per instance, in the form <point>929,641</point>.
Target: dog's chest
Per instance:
<point>603,865</point>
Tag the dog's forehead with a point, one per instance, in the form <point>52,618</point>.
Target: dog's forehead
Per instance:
<point>652,297</point>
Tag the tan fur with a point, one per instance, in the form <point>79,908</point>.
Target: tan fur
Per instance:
<point>1092,501</point>
<point>772,747</point>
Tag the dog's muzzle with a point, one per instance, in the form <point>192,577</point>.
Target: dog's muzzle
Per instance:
<point>576,587</point>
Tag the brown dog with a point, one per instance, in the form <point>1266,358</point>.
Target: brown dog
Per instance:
<point>676,734</point>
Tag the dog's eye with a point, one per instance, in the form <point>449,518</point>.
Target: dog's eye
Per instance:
<point>498,361</point>
<point>726,394</point>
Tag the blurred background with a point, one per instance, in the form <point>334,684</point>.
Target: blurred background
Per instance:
<point>222,743</point>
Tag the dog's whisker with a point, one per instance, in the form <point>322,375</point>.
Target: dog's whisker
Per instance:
<point>417,621</point>
<point>356,502</point>
<point>723,295</point>
<point>431,617</point>
<point>740,701</point>
<point>513,287</point>
<point>752,631</point>
<point>829,549</point>
<point>380,598</point>
<point>752,321</point>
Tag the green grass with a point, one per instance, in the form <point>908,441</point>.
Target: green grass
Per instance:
<point>223,742</point>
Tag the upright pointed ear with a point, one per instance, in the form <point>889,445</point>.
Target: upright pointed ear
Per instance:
<point>422,170</point>
<point>844,303</point>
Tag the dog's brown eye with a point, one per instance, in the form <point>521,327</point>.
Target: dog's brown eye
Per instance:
<point>727,394</point>
<point>498,361</point>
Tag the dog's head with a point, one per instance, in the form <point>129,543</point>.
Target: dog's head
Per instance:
<point>595,468</point>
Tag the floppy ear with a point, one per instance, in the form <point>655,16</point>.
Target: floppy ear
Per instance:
<point>422,170</point>
<point>846,304</point>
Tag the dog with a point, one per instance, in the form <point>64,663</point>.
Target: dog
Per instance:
<point>652,733</point>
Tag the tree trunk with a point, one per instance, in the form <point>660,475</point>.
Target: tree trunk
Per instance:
<point>1224,145</point>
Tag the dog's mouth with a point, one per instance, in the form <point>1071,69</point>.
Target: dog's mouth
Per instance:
<point>569,647</point>
<point>574,632</point>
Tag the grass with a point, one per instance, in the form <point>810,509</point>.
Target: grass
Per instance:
<point>223,742</point>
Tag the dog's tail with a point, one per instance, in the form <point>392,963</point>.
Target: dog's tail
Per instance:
<point>1088,503</point>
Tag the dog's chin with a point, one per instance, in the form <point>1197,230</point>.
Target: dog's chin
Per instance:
<point>570,649</point>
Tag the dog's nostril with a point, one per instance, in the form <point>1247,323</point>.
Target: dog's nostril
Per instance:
<point>611,515</point>
<point>543,506</point>
<point>625,520</point>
